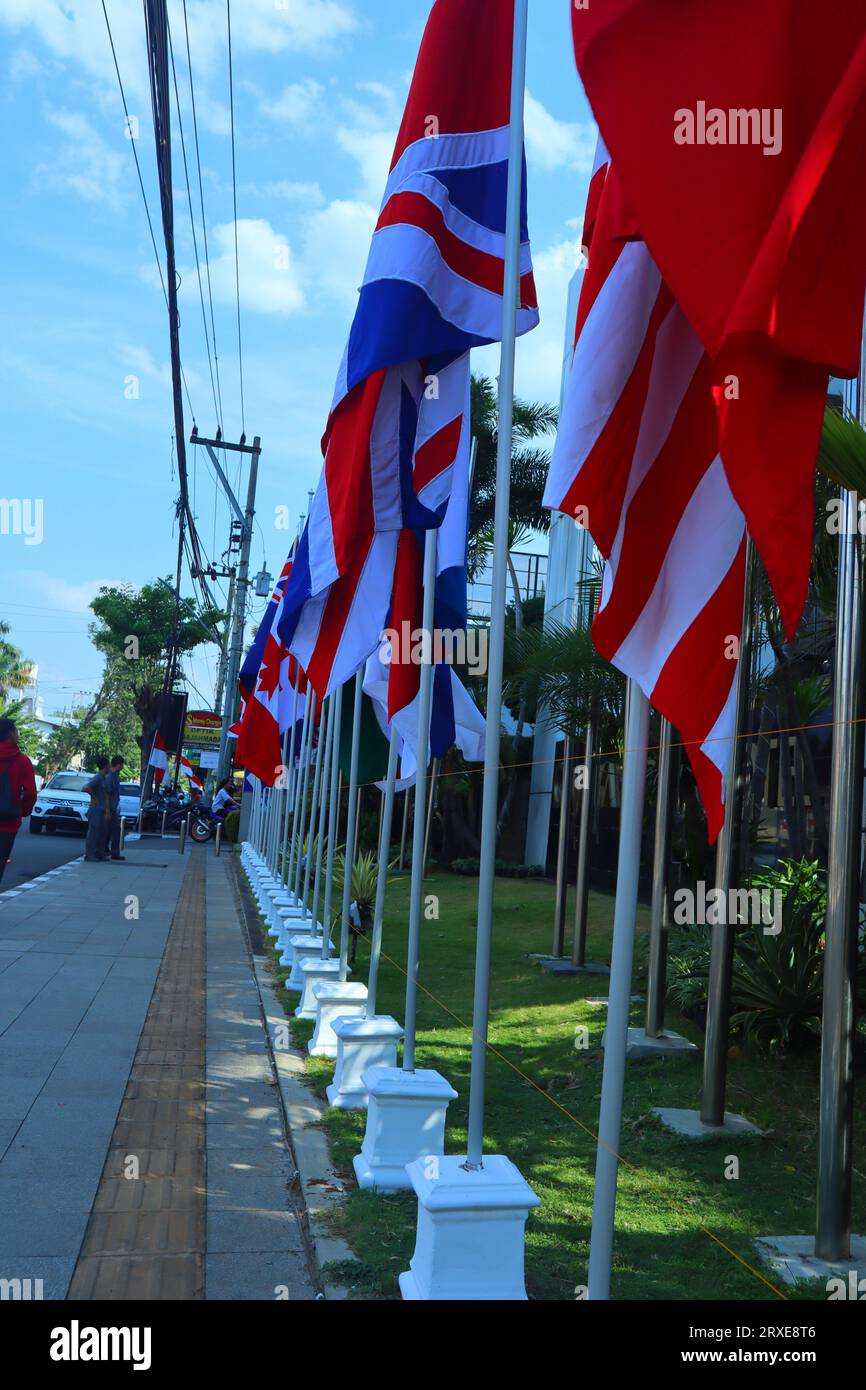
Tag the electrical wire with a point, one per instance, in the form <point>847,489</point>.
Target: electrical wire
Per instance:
<point>235,210</point>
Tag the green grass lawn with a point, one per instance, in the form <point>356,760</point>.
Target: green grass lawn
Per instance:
<point>674,1196</point>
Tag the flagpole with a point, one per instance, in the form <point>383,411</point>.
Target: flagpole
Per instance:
<point>291,773</point>
<point>716,1038</point>
<point>836,1097</point>
<point>351,812</point>
<point>305,719</point>
<point>581,882</point>
<point>416,887</point>
<point>619,994</point>
<point>317,783</point>
<point>660,909</point>
<point>510,305</point>
<point>333,807</point>
<point>382,875</point>
<point>323,813</point>
<point>305,784</point>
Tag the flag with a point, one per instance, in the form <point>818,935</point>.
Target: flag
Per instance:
<point>432,290</point>
<point>186,769</point>
<point>158,759</point>
<point>637,459</point>
<point>738,131</point>
<point>259,748</point>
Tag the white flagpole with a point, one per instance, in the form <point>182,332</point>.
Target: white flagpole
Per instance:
<point>305,783</point>
<point>416,889</point>
<point>291,774</point>
<point>382,875</point>
<point>317,783</point>
<point>333,807</point>
<point>490,811</point>
<point>351,816</point>
<point>616,1036</point>
<point>305,722</point>
<point>325,757</point>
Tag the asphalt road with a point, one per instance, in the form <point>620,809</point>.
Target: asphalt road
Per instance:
<point>33,855</point>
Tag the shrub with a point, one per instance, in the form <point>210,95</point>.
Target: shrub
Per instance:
<point>470,868</point>
<point>231,827</point>
<point>777,980</point>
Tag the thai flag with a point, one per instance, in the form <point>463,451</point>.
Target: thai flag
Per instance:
<point>432,290</point>
<point>259,748</point>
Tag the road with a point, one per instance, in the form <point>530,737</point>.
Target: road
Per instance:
<point>33,855</point>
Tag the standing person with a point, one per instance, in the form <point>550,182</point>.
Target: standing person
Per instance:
<point>112,839</point>
<point>17,788</point>
<point>98,815</point>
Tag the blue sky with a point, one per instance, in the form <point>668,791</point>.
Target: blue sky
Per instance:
<point>319,91</point>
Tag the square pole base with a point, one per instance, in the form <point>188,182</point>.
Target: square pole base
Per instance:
<point>314,971</point>
<point>299,948</point>
<point>689,1125</point>
<point>793,1259</point>
<point>362,1044</point>
<point>405,1121</point>
<point>665,1045</point>
<point>336,999</point>
<point>470,1237</point>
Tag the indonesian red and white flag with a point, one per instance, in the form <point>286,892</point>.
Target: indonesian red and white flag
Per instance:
<point>158,759</point>
<point>637,461</point>
<point>187,770</point>
<point>738,131</point>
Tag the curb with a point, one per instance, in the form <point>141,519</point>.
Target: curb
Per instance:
<point>321,1188</point>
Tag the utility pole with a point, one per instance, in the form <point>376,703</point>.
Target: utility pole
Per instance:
<point>242,579</point>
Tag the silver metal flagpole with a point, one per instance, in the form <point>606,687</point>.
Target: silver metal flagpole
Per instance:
<point>317,783</point>
<point>323,813</point>
<point>351,814</point>
<point>490,806</point>
<point>659,912</point>
<point>333,809</point>
<point>561,893</point>
<point>416,888</point>
<point>835,1116</point>
<point>382,875</point>
<point>581,882</point>
<point>619,996</point>
<point>305,785</point>
<point>722,948</point>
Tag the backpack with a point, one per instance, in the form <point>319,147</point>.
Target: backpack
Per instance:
<point>10,806</point>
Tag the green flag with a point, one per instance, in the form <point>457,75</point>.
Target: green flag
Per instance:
<point>373,749</point>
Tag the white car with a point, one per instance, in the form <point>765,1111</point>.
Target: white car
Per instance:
<point>62,804</point>
<point>130,800</point>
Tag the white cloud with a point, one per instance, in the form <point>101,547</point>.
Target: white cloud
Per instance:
<point>367,133</point>
<point>68,598</point>
<point>540,353</point>
<point>553,144</point>
<point>336,246</point>
<point>269,278</point>
<point>85,164</point>
<point>296,103</point>
<point>308,194</point>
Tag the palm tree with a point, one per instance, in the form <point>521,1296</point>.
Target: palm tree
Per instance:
<point>529,467</point>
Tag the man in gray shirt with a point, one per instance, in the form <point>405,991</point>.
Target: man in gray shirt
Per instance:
<point>99,814</point>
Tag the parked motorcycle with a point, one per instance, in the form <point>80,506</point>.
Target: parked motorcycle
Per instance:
<point>172,805</point>
<point>203,822</point>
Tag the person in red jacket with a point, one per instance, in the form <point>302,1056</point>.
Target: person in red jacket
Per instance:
<point>17,788</point>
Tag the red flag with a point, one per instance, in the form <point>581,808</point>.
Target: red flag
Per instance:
<point>738,131</point>
<point>158,759</point>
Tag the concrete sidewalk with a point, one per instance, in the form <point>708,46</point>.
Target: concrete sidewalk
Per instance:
<point>129,1009</point>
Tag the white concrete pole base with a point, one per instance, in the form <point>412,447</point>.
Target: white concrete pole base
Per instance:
<point>689,1125</point>
<point>665,1045</point>
<point>470,1237</point>
<point>793,1259</point>
<point>335,999</point>
<point>294,926</point>
<point>313,971</point>
<point>405,1121</point>
<point>362,1045</point>
<point>302,946</point>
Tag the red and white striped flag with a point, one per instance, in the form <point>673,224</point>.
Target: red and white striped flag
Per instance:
<point>158,759</point>
<point>187,770</point>
<point>637,461</point>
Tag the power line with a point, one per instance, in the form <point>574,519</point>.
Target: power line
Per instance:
<point>192,223</point>
<point>141,182</point>
<point>203,218</point>
<point>235,209</point>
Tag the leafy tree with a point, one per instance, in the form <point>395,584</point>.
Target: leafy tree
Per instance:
<point>16,673</point>
<point>134,629</point>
